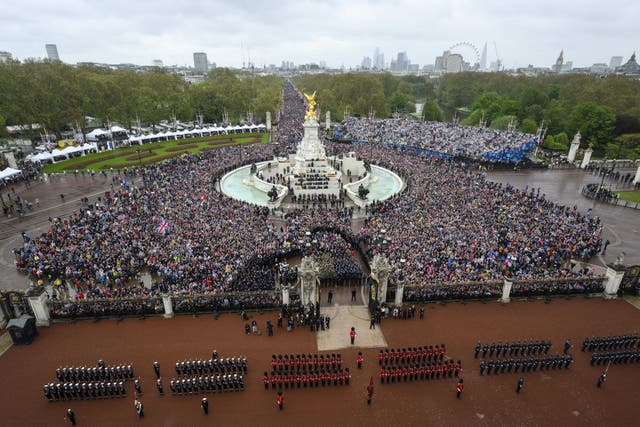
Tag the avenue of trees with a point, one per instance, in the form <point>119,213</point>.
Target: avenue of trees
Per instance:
<point>362,94</point>
<point>58,95</point>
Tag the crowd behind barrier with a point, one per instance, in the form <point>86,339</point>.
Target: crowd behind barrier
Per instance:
<point>197,243</point>
<point>441,139</point>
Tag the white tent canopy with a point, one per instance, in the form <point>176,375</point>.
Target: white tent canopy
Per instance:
<point>8,172</point>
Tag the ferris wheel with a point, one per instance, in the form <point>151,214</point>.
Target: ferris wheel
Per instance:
<point>469,53</point>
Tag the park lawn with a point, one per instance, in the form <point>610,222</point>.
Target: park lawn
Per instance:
<point>629,196</point>
<point>151,153</point>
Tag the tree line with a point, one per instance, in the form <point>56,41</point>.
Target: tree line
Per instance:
<point>58,95</point>
<point>362,95</point>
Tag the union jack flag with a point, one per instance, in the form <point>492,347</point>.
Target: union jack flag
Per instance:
<point>162,227</point>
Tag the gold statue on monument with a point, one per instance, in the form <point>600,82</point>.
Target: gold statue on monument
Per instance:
<point>311,107</point>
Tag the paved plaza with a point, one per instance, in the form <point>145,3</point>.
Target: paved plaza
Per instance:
<point>567,397</point>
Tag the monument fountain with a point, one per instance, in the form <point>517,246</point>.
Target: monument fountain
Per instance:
<point>309,174</point>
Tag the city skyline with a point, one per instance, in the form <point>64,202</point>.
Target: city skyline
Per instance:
<point>265,33</point>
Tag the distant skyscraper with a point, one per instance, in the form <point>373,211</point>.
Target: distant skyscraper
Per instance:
<point>483,57</point>
<point>366,63</point>
<point>615,62</point>
<point>52,52</point>
<point>401,63</point>
<point>378,59</point>
<point>157,63</point>
<point>200,63</point>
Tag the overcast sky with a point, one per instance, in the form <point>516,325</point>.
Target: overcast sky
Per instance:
<point>335,31</point>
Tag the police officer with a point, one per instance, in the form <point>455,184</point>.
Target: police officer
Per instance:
<point>567,345</point>
<point>602,379</point>
<point>71,416</point>
<point>204,404</point>
<point>477,349</point>
<point>482,367</point>
<point>156,369</point>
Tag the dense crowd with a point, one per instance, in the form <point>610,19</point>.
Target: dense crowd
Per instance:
<point>449,225</point>
<point>437,137</point>
<point>475,230</point>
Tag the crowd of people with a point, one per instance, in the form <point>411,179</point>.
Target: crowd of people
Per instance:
<point>198,244</point>
<point>476,230</point>
<point>437,137</point>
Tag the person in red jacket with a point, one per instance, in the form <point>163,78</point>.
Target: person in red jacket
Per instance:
<point>369,392</point>
<point>280,401</point>
<point>460,387</point>
<point>352,335</point>
<point>265,381</point>
<point>360,359</point>
<point>272,381</point>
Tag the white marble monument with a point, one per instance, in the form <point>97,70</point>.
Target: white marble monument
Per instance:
<point>573,149</point>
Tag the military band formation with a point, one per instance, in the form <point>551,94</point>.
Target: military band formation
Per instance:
<point>89,382</point>
<point>288,371</point>
<point>301,371</point>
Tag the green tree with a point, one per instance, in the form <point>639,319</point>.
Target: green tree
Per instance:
<point>528,126</point>
<point>595,122</point>
<point>431,112</point>
<point>563,139</point>
<point>401,102</point>
<point>502,122</point>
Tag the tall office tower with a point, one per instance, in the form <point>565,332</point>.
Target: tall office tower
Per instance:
<point>378,59</point>
<point>402,61</point>
<point>52,52</point>
<point>157,63</point>
<point>366,63</point>
<point>615,62</point>
<point>200,63</point>
<point>483,57</point>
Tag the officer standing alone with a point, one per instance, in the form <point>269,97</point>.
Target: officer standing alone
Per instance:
<point>71,416</point>
<point>459,388</point>
<point>205,406</point>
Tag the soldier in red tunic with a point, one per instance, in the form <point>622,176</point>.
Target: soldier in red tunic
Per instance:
<point>352,335</point>
<point>360,359</point>
<point>459,388</point>
<point>280,401</point>
<point>369,392</point>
